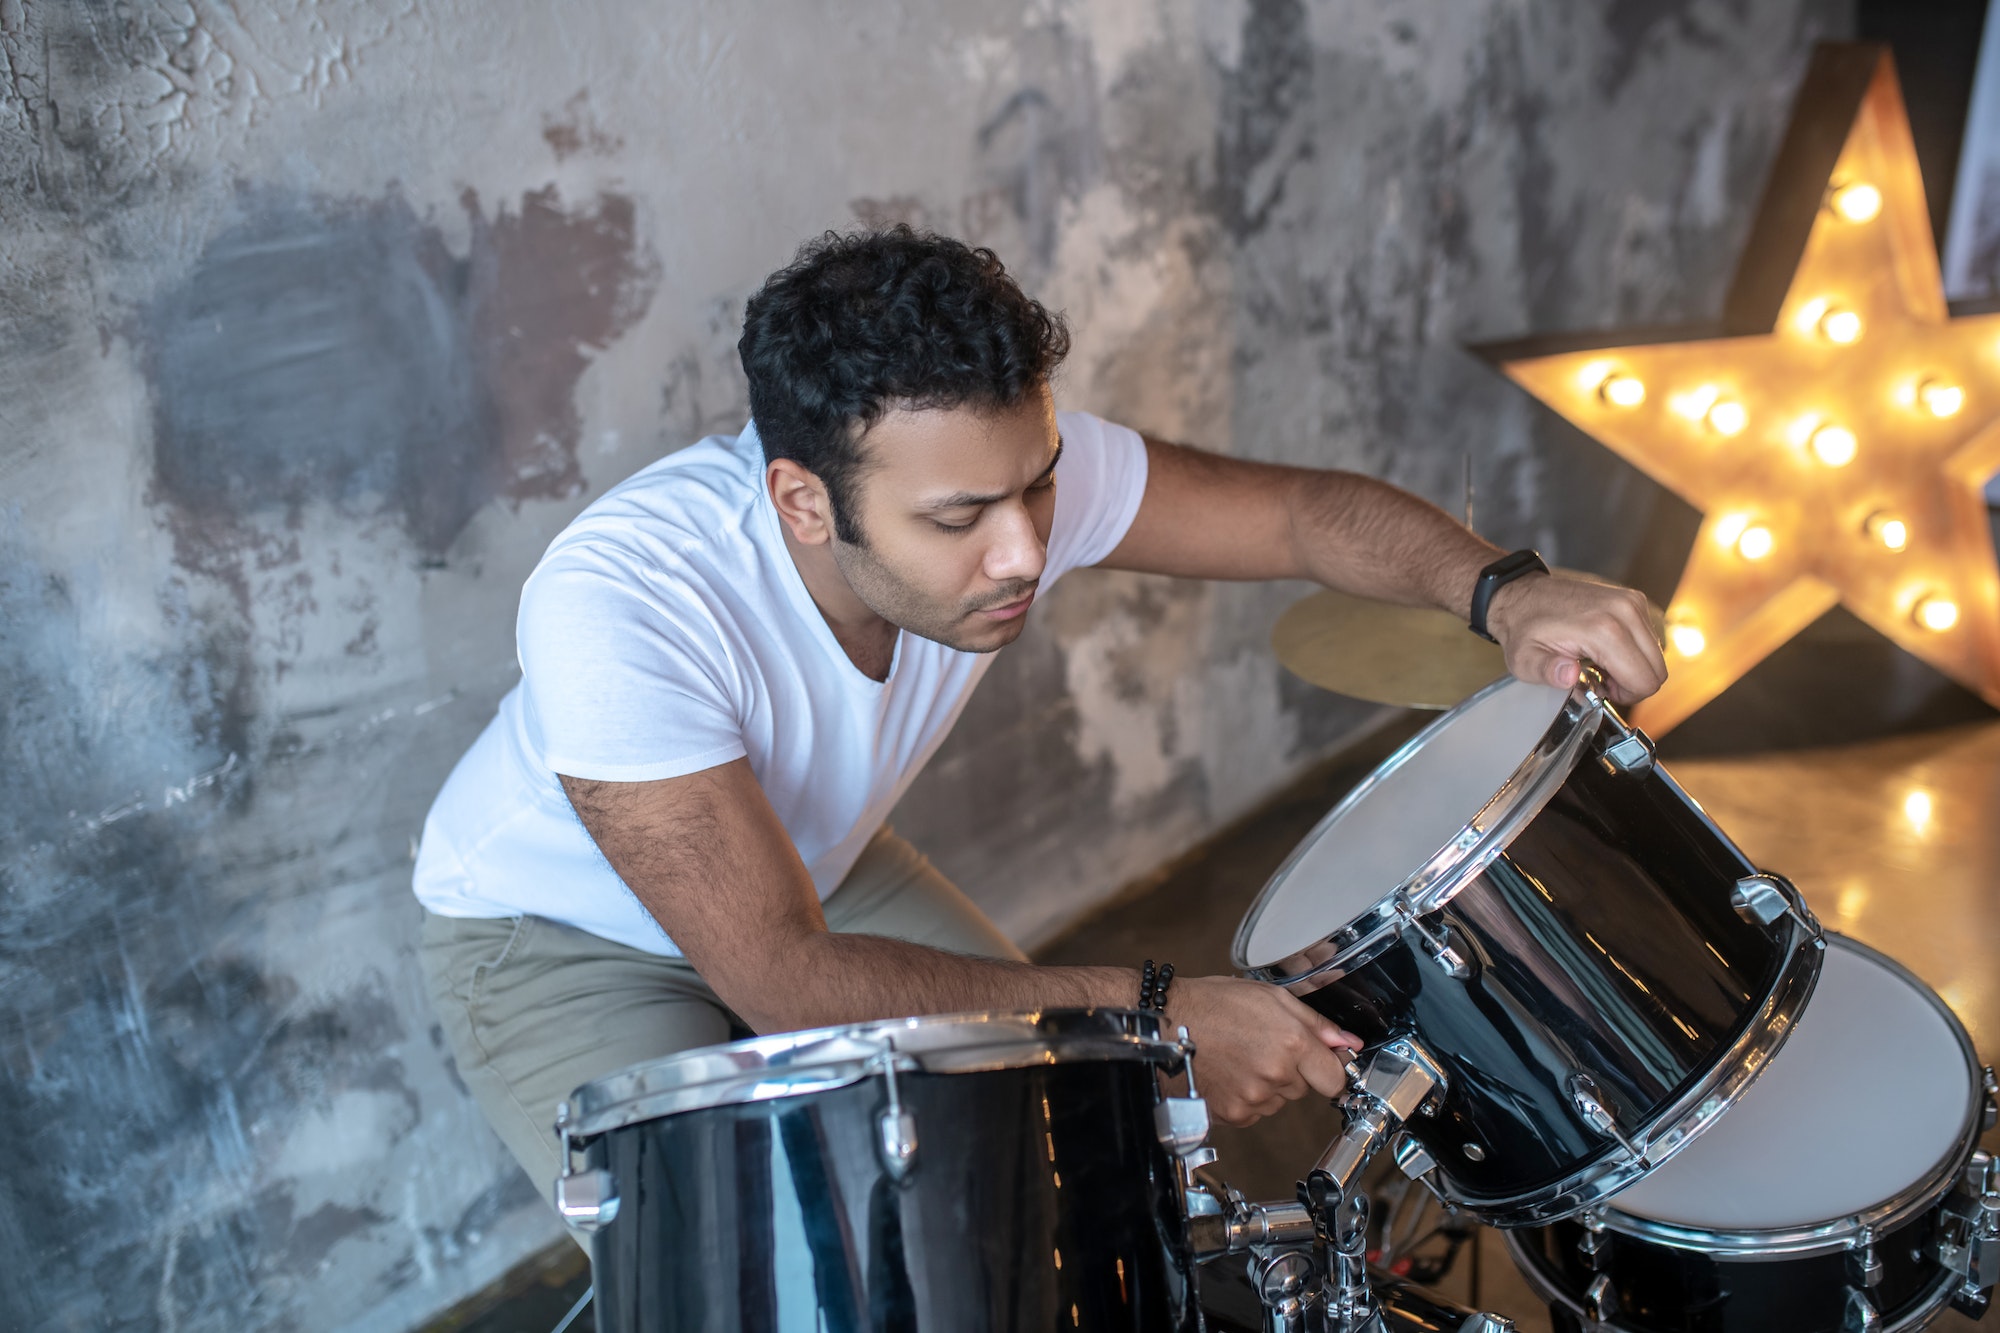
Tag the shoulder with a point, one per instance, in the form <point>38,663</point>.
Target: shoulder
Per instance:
<point>654,541</point>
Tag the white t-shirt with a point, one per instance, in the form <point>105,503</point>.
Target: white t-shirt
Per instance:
<point>666,631</point>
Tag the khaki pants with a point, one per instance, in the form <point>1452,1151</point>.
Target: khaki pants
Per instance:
<point>533,1009</point>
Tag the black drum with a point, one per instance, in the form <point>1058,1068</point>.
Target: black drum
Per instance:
<point>970,1172</point>
<point>1526,898</point>
<point>1844,1191</point>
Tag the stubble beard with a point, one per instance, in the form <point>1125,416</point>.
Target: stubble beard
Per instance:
<point>899,602</point>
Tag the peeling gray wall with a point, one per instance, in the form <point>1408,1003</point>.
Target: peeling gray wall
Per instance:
<point>317,322</point>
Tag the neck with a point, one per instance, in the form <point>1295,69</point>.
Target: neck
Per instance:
<point>868,640</point>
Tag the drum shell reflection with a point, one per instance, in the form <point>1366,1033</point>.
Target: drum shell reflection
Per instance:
<point>1600,941</point>
<point>1039,1198</point>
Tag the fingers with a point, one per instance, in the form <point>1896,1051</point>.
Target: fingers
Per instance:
<point>1262,1047</point>
<point>1557,622</point>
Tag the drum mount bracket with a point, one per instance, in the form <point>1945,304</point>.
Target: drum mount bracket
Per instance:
<point>1968,1236</point>
<point>1401,1079</point>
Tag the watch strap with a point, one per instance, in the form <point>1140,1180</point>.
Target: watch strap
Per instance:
<point>1514,565</point>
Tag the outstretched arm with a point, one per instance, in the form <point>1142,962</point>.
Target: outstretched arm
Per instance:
<point>1207,516</point>
<point>708,857</point>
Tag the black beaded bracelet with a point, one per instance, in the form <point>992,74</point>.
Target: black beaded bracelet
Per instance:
<point>1153,988</point>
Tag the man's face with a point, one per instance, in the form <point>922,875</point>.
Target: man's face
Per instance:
<point>954,506</point>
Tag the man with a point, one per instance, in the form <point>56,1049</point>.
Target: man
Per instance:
<point>735,662</point>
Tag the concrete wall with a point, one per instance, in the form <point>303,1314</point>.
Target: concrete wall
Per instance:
<point>318,321</point>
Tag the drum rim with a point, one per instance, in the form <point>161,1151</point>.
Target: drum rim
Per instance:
<point>1805,1239</point>
<point>1534,781</point>
<point>1686,1117</point>
<point>1529,1264</point>
<point>795,1064</point>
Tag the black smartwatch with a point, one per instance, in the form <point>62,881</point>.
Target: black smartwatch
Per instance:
<point>1497,576</point>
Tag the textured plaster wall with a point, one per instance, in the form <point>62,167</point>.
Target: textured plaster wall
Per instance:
<point>317,321</point>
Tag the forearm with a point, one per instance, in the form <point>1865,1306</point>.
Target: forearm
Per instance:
<point>833,978</point>
<point>1372,539</point>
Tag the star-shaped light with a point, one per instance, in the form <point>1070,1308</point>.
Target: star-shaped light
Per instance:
<point>1836,429</point>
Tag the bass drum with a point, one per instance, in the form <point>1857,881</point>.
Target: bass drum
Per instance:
<point>972,1173</point>
<point>1524,896</point>
<point>1837,1194</point>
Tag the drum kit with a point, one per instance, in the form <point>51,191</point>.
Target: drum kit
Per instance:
<point>1590,1020</point>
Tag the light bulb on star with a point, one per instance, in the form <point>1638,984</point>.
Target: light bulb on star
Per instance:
<point>1941,399</point>
<point>1727,417</point>
<point>1886,528</point>
<point>1856,202</point>
<point>1833,445</point>
<point>1622,391</point>
<point>1937,614</point>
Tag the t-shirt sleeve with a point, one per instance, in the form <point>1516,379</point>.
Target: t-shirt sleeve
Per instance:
<point>1099,483</point>
<point>621,684</point>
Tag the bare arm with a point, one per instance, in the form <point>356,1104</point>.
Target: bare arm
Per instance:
<point>708,857</point>
<point>1207,516</point>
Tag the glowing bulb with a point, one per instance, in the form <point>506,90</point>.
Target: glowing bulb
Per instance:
<point>1622,391</point>
<point>1687,640</point>
<point>1937,613</point>
<point>1943,400</point>
<point>1730,527</point>
<point>1728,418</point>
<point>1858,202</point>
<point>1833,445</point>
<point>1840,326</point>
<point>1755,543</point>
<point>1891,531</point>
<point>1917,809</point>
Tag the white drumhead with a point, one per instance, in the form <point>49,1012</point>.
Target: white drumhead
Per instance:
<point>1409,810</point>
<point>1865,1099</point>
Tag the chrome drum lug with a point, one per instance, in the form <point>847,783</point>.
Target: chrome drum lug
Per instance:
<point>1600,1301</point>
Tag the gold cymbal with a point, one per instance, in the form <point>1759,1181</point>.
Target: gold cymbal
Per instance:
<point>1409,656</point>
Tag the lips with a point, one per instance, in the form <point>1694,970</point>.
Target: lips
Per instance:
<point>1010,610</point>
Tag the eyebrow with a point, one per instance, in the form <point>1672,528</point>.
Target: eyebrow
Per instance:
<point>967,499</point>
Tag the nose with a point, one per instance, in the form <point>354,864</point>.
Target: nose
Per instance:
<point>1019,551</point>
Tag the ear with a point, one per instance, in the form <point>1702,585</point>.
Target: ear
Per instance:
<point>801,500</point>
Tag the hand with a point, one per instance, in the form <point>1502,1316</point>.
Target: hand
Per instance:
<point>1546,624</point>
<point>1259,1047</point>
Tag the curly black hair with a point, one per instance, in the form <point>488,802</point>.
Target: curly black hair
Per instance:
<point>865,323</point>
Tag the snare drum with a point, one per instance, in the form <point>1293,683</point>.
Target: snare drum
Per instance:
<point>1835,1195</point>
<point>967,1172</point>
<point>1525,895</point>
